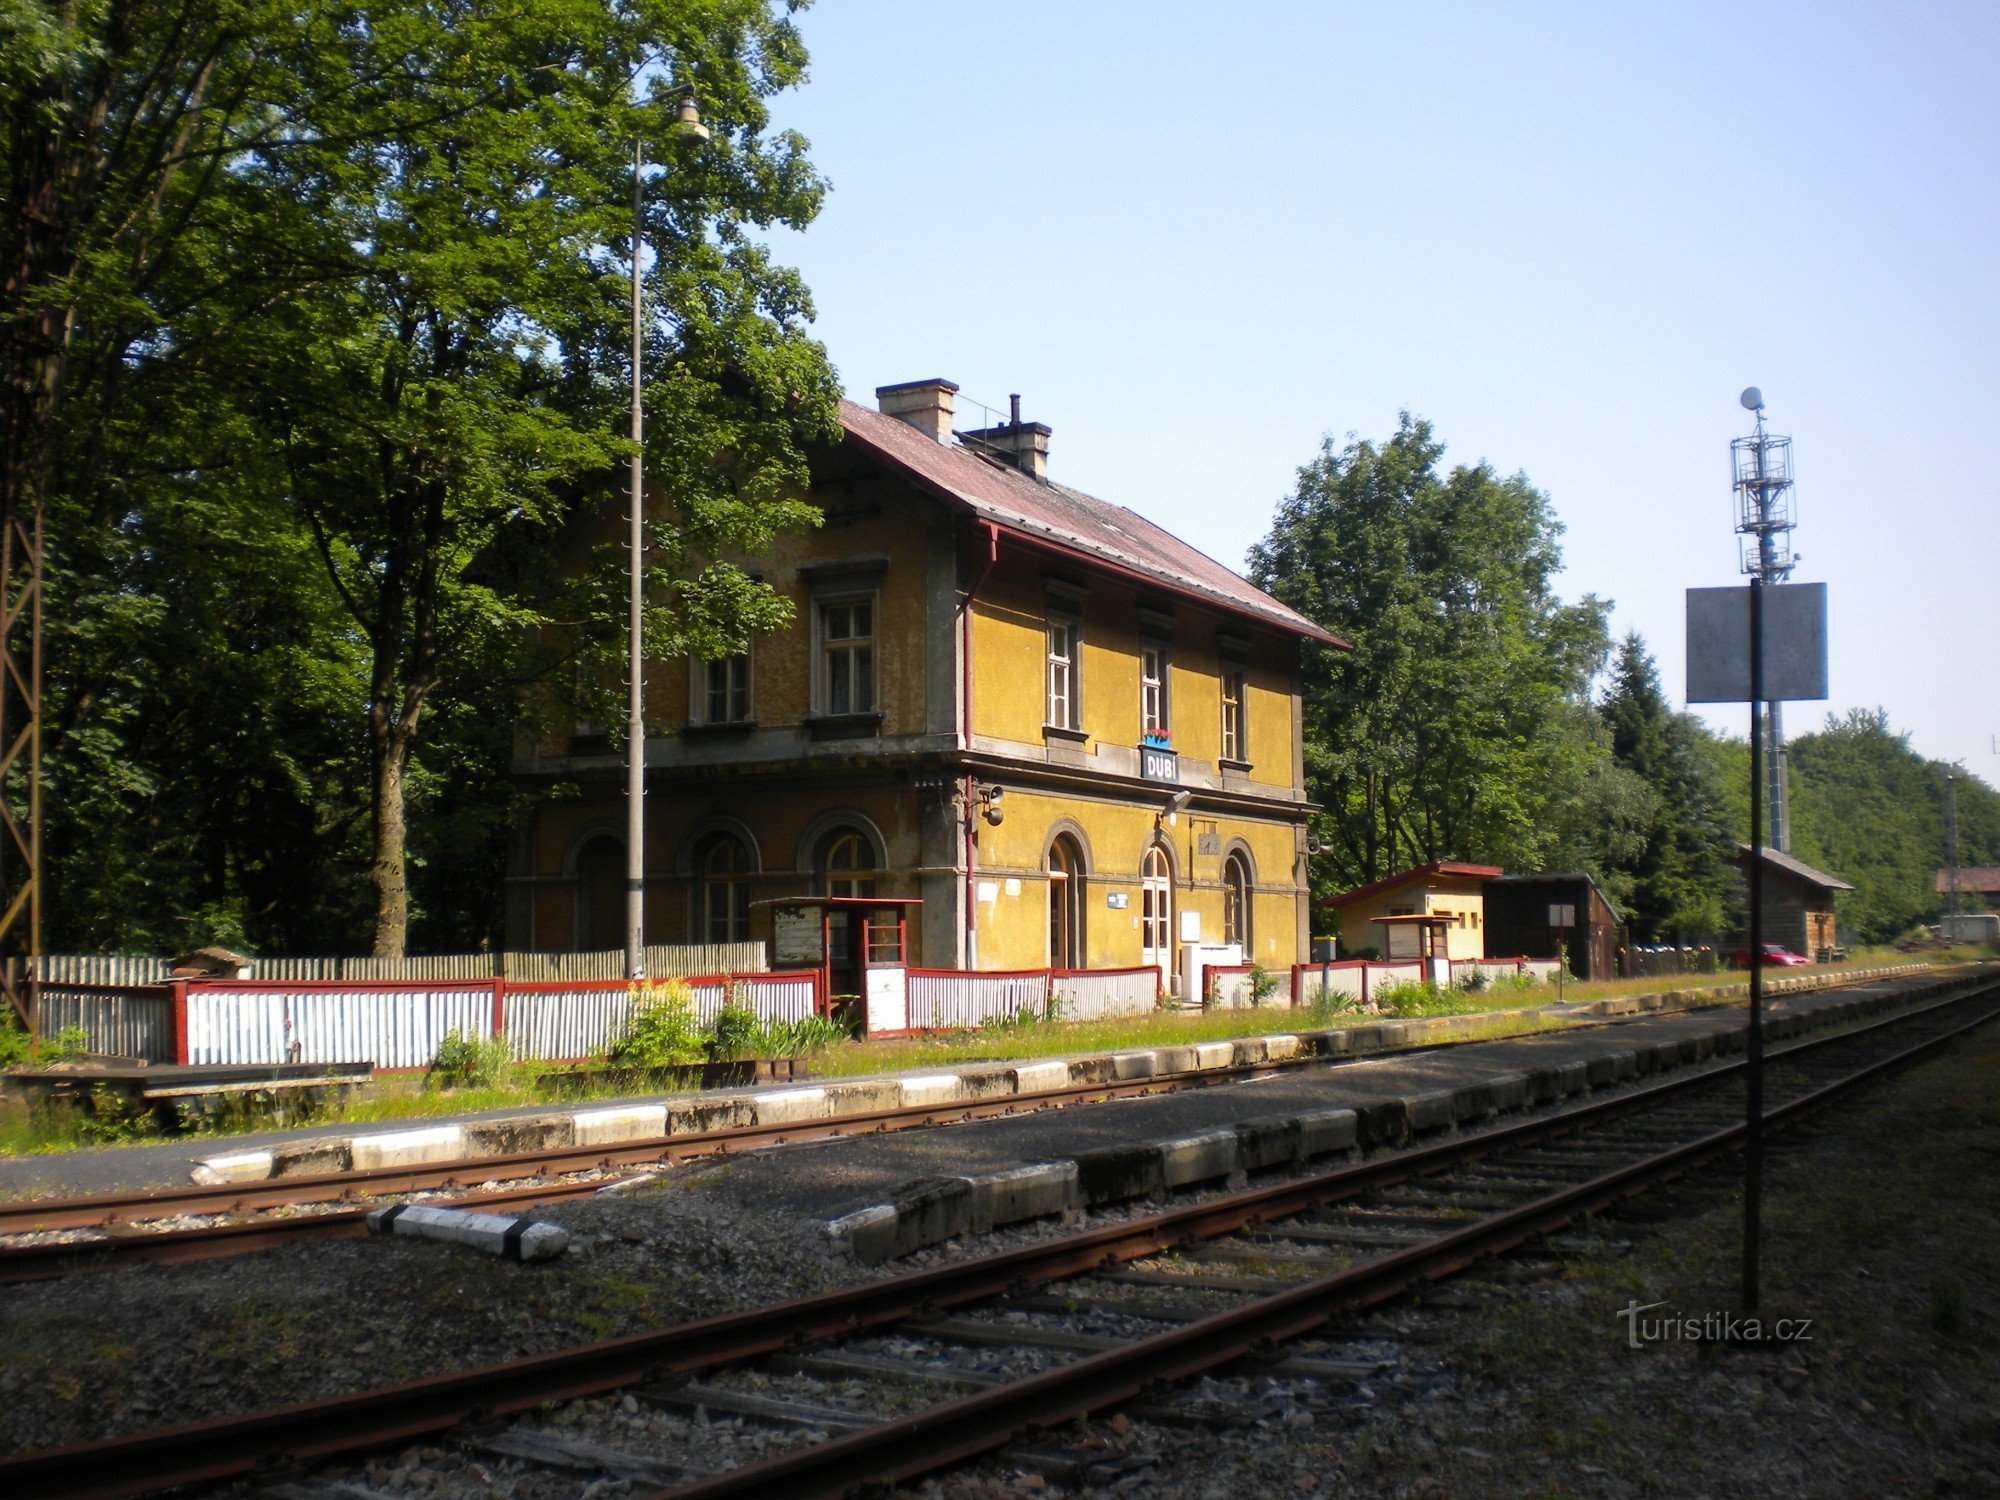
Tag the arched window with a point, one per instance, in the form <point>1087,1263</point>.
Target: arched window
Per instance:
<point>846,864</point>
<point>600,895</point>
<point>1236,902</point>
<point>1156,910</point>
<point>722,894</point>
<point>1066,904</point>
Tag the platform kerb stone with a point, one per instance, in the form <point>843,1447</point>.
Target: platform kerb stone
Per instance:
<point>1213,1054</point>
<point>1211,1156</point>
<point>865,1098</point>
<point>1435,1110</point>
<point>930,1211</point>
<point>1041,1077</point>
<point>405,1148</point>
<point>1035,1191</point>
<point>1510,1090</point>
<point>931,1088</point>
<point>234,1166</point>
<point>1112,1174</point>
<point>701,1116</point>
<point>1131,1065</point>
<point>1325,1131</point>
<point>1173,1060</point>
<point>867,1234</point>
<point>1270,1142</point>
<point>516,1133</point>
<point>1248,1051</point>
<point>986,1083</point>
<point>790,1106</point>
<point>627,1122</point>
<point>311,1158</point>
<point>1278,1048</point>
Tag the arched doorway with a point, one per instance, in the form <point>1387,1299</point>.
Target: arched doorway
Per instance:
<point>600,894</point>
<point>1066,904</point>
<point>1236,902</point>
<point>1156,911</point>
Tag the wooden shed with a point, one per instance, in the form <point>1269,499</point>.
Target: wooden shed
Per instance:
<point>1548,915</point>
<point>1798,903</point>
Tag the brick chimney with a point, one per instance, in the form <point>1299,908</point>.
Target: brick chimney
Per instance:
<point>924,404</point>
<point>1025,445</point>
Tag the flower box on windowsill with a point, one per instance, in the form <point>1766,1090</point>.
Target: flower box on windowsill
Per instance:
<point>1157,739</point>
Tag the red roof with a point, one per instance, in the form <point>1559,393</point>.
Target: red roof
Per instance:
<point>1067,520</point>
<point>1977,879</point>
<point>1444,867</point>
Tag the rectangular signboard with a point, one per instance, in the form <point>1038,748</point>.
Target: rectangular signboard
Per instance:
<point>1718,643</point>
<point>795,935</point>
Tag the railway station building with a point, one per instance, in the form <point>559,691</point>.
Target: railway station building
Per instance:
<point>1072,736</point>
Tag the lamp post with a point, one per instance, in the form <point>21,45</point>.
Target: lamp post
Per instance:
<point>687,131</point>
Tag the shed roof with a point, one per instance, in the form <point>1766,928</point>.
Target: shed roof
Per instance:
<point>1970,878</point>
<point>1449,869</point>
<point>1066,520</point>
<point>1552,877</point>
<point>1796,867</point>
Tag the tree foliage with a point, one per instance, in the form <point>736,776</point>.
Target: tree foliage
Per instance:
<point>1457,725</point>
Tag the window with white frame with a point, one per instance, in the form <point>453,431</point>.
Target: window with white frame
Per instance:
<point>722,690</point>
<point>1064,710</point>
<point>1234,740</point>
<point>847,656</point>
<point>724,893</point>
<point>1153,704</point>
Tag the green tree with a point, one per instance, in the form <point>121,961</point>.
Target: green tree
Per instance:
<point>1456,724</point>
<point>1681,873</point>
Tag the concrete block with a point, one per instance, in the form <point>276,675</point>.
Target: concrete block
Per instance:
<point>1084,1071</point>
<point>930,1211</point>
<point>1324,1131</point>
<point>1174,1060</point>
<point>504,1235</point>
<point>867,1234</point>
<point>1364,1039</point>
<point>1037,1078</point>
<point>789,1106</point>
<point>931,1088</point>
<point>701,1116</point>
<point>1543,1084</point>
<point>1473,1101</point>
<point>625,1122</point>
<point>1126,1066</point>
<point>1035,1191</point>
<point>1572,1077</point>
<point>1278,1048</point>
<point>1510,1090</point>
<point>1247,1051</point>
<point>233,1166</point>
<point>867,1097</point>
<point>1111,1174</point>
<point>1395,1034</point>
<point>1269,1142</point>
<point>312,1158</point>
<point>405,1148</point>
<point>1207,1157</point>
<point>1435,1110</point>
<point>517,1133</point>
<point>986,1083</point>
<point>1213,1054</point>
<point>1382,1122</point>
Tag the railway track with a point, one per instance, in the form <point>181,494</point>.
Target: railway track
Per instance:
<point>895,1378</point>
<point>45,1238</point>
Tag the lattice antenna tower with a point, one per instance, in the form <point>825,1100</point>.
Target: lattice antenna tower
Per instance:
<point>1765,518</point>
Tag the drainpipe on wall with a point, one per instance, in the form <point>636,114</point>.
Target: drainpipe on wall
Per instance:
<point>969,935</point>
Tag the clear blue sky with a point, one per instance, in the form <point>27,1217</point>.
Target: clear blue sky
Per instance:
<point>1200,238</point>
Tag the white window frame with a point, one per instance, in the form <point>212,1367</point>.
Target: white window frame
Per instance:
<point>824,647</point>
<point>1064,709</point>
<point>1156,705</point>
<point>700,709</point>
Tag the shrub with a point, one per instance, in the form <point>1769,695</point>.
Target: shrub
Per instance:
<point>797,1038</point>
<point>468,1062</point>
<point>1472,981</point>
<point>19,1049</point>
<point>1263,985</point>
<point>1418,997</point>
<point>735,1032</point>
<point>661,1030</point>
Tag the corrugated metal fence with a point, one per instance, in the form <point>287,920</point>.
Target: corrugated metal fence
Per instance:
<point>134,1022</point>
<point>663,960</point>
<point>954,999</point>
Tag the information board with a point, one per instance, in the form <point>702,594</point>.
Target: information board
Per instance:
<point>795,935</point>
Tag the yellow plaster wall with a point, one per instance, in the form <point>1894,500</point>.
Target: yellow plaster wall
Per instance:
<point>1459,897</point>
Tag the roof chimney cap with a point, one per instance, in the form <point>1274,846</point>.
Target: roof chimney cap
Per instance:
<point>923,404</point>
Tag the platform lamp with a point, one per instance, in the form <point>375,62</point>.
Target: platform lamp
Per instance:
<point>685,133</point>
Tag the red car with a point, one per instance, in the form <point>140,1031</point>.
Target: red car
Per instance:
<point>1775,955</point>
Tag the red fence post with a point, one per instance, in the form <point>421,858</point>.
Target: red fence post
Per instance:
<point>499,1006</point>
<point>180,1005</point>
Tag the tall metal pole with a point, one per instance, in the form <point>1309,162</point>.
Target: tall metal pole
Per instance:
<point>1753,1124</point>
<point>635,650</point>
<point>1951,844</point>
<point>1771,571</point>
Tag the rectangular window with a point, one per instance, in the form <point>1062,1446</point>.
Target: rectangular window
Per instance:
<point>1233,738</point>
<point>1153,689</point>
<point>847,655</point>
<point>1063,712</point>
<point>1562,915</point>
<point>725,690</point>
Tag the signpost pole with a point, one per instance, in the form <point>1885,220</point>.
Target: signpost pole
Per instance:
<point>1753,1124</point>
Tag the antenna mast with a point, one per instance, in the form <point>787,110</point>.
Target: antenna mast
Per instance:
<point>1765,518</point>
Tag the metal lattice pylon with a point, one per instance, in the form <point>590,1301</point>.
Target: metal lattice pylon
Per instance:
<point>20,756</point>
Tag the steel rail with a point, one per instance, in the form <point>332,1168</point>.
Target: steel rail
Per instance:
<point>228,1447</point>
<point>906,1447</point>
<point>106,1210</point>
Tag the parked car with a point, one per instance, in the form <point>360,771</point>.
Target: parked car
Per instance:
<point>1774,954</point>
